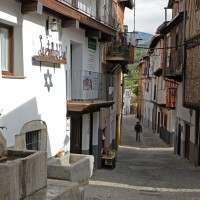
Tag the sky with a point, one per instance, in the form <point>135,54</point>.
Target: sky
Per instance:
<point>149,14</point>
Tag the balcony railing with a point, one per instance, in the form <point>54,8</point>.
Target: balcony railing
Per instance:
<point>88,85</point>
<point>103,11</point>
<point>123,46</point>
<point>120,51</point>
<point>171,97</point>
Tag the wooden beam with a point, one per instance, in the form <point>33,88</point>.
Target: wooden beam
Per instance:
<point>71,23</point>
<point>32,7</point>
<point>106,38</point>
<point>72,13</point>
<point>93,33</point>
<point>63,9</point>
<point>29,7</point>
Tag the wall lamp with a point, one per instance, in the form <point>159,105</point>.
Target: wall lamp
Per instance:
<point>53,26</point>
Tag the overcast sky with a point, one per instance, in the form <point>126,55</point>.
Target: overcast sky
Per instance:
<point>149,15</point>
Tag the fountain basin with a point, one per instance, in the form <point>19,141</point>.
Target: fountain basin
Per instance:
<point>22,174</point>
<point>71,167</point>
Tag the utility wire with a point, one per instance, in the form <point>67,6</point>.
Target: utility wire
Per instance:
<point>190,45</point>
<point>173,47</point>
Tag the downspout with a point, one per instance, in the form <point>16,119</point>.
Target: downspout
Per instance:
<point>184,51</point>
<point>184,75</point>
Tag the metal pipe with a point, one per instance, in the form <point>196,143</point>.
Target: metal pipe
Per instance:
<point>184,51</point>
<point>134,17</point>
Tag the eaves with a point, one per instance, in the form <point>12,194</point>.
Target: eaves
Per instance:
<point>128,3</point>
<point>173,23</point>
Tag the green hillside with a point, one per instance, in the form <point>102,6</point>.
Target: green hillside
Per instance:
<point>132,79</point>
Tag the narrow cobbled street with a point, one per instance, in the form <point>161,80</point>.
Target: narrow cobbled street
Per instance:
<point>148,170</point>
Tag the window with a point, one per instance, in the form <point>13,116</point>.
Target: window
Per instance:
<point>6,49</point>
<point>127,93</point>
<point>33,140</point>
<point>197,2</point>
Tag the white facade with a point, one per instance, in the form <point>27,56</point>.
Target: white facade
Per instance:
<point>147,103</point>
<point>26,96</point>
<point>126,101</point>
<point>184,117</point>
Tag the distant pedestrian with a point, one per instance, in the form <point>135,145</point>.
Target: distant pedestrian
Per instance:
<point>138,130</point>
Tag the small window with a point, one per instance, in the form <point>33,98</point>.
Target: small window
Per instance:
<point>6,49</point>
<point>33,140</point>
<point>127,94</point>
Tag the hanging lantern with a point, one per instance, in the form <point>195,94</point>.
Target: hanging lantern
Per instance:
<point>54,25</point>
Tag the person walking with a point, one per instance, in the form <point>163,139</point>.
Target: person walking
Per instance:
<point>138,130</point>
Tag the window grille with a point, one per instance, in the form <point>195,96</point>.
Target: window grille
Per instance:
<point>33,140</point>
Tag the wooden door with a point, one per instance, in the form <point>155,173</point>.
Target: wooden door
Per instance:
<point>91,133</point>
<point>187,141</point>
<point>76,135</point>
<point>179,140</point>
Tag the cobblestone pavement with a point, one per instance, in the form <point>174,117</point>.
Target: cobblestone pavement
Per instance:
<point>148,170</point>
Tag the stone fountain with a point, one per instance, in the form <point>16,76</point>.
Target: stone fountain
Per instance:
<point>21,172</point>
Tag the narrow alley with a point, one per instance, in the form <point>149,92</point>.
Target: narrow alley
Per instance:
<point>148,170</point>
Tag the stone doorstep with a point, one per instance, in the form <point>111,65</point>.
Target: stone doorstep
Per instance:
<point>59,190</point>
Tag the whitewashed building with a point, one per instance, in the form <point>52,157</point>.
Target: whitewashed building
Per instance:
<point>54,80</point>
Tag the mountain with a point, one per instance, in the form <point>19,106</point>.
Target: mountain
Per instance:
<point>143,37</point>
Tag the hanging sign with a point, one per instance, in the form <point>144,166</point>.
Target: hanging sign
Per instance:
<point>92,43</point>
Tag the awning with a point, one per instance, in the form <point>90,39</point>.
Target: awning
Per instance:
<point>158,72</point>
<point>84,107</point>
<point>174,22</point>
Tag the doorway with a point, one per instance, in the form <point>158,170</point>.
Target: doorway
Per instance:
<point>158,125</point>
<point>187,141</point>
<point>76,135</point>
<point>179,140</point>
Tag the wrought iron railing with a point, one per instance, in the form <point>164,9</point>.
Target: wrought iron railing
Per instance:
<point>88,85</point>
<point>103,11</point>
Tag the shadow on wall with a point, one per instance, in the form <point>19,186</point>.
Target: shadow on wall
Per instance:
<point>17,118</point>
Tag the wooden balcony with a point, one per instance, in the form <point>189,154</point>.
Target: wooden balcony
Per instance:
<point>174,56</point>
<point>173,65</point>
<point>122,53</point>
<point>88,92</point>
<point>122,48</point>
<point>84,107</point>
<point>98,19</point>
<point>171,97</point>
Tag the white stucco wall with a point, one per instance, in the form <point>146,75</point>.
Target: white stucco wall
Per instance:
<point>185,116</point>
<point>85,132</point>
<point>27,99</point>
<point>126,101</point>
<point>148,111</point>
<point>182,112</point>
<point>24,100</point>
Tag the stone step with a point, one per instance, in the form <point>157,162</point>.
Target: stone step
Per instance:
<point>59,190</point>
